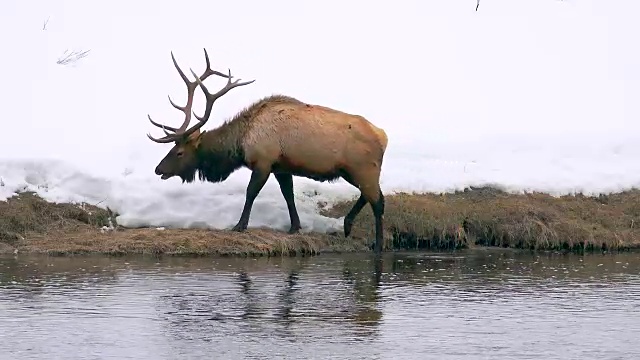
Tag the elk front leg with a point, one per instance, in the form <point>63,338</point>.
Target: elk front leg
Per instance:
<point>286,186</point>
<point>257,181</point>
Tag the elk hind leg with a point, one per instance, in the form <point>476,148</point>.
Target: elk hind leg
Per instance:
<point>377,205</point>
<point>286,187</point>
<point>256,183</point>
<point>351,215</point>
<point>355,210</point>
<point>370,193</point>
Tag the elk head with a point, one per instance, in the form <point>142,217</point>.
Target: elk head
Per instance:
<point>182,159</point>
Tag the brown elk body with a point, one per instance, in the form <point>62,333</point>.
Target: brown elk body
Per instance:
<point>283,136</point>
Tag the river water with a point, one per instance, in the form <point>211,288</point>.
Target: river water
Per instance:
<point>480,304</point>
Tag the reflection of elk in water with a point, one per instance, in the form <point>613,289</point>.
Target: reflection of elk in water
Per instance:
<point>366,291</point>
<point>277,135</point>
<point>286,296</point>
<point>283,300</point>
<point>251,310</point>
<point>318,302</point>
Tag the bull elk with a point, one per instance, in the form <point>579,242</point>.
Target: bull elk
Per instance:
<point>281,135</point>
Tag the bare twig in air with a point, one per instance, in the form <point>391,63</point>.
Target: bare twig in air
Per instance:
<point>71,57</point>
<point>44,27</point>
<point>477,4</point>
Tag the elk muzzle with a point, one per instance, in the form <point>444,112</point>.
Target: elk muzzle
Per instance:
<point>162,174</point>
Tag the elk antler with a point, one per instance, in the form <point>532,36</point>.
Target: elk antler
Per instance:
<point>211,98</point>
<point>191,86</point>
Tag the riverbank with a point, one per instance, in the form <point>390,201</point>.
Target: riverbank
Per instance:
<point>472,218</point>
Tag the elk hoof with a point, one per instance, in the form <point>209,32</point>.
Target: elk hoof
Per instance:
<point>239,227</point>
<point>377,249</point>
<point>372,246</point>
<point>294,230</point>
<point>347,228</point>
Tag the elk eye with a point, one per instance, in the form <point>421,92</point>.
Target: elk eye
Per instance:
<point>180,153</point>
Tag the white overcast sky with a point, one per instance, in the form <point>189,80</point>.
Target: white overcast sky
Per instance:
<point>426,71</point>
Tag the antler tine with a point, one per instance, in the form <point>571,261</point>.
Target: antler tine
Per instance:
<point>209,71</point>
<point>186,109</point>
<point>211,98</point>
<point>165,127</point>
<point>190,91</point>
<point>164,140</point>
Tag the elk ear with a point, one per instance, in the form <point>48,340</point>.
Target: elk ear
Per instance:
<point>194,138</point>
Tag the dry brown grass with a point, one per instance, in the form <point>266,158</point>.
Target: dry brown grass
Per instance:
<point>490,217</point>
<point>253,242</point>
<point>27,213</point>
<point>476,217</point>
<point>30,224</point>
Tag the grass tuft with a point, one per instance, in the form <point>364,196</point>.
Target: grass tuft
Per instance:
<point>491,217</point>
<point>465,219</point>
<point>26,213</point>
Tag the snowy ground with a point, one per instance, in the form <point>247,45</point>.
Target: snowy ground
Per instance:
<point>528,95</point>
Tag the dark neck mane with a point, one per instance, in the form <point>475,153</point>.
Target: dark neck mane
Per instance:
<point>220,152</point>
<point>215,165</point>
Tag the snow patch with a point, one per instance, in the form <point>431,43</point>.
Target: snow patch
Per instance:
<point>461,109</point>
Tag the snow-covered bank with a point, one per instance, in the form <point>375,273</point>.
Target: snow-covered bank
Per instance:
<point>538,95</point>
<point>149,201</point>
<point>143,199</point>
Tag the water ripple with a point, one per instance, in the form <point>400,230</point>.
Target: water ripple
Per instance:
<point>473,305</point>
